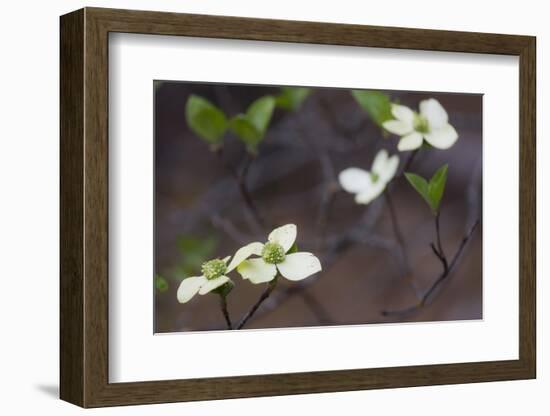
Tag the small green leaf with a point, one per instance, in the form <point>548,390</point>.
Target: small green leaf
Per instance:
<point>420,185</point>
<point>260,111</point>
<point>436,187</point>
<point>251,127</point>
<point>205,119</point>
<point>432,191</point>
<point>247,132</point>
<point>291,98</point>
<point>375,103</point>
<point>161,284</point>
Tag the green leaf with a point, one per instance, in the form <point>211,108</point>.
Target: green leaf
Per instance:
<point>247,132</point>
<point>205,119</point>
<point>251,127</point>
<point>291,98</point>
<point>436,187</point>
<point>260,111</point>
<point>375,103</point>
<point>420,185</point>
<point>432,191</point>
<point>161,284</point>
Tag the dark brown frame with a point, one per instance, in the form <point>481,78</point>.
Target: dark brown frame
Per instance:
<point>84,212</point>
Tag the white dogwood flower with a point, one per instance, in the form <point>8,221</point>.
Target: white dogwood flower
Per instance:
<point>213,276</point>
<point>274,257</point>
<point>431,124</point>
<point>369,185</point>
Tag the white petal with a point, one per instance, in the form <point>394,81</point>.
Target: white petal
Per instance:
<point>298,266</point>
<point>398,127</point>
<point>380,161</point>
<point>354,180</point>
<point>410,142</point>
<point>370,194</point>
<point>243,253</point>
<point>385,167</point>
<point>389,169</point>
<point>189,288</point>
<point>210,285</point>
<point>434,112</point>
<point>442,138</point>
<point>226,259</point>
<point>257,270</point>
<point>285,236</point>
<point>403,113</point>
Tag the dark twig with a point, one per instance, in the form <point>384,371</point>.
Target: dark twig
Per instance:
<point>409,161</point>
<point>436,252</point>
<point>391,207</point>
<point>270,287</point>
<point>240,179</point>
<point>241,182</point>
<point>223,305</point>
<point>440,250</point>
<point>442,277</point>
<point>405,168</point>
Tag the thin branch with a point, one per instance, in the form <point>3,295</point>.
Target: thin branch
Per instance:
<point>225,311</point>
<point>243,189</point>
<point>442,277</point>
<point>436,252</point>
<point>405,168</point>
<point>440,250</point>
<point>270,287</point>
<point>240,179</point>
<point>409,161</point>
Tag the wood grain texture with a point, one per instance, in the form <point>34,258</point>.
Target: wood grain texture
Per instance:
<point>527,208</point>
<point>84,207</point>
<point>71,100</point>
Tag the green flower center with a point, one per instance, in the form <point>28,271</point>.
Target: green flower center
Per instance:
<point>273,253</point>
<point>421,124</point>
<point>374,177</point>
<point>213,269</point>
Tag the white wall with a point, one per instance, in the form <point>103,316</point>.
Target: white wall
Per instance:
<point>29,208</point>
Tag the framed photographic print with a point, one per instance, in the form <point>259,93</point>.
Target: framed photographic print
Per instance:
<point>258,207</point>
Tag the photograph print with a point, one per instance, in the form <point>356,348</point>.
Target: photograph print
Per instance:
<point>301,206</point>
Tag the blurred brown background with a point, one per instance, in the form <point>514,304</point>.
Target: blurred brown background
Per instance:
<point>199,213</point>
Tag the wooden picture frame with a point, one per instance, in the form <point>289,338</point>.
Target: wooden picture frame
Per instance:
<point>84,207</point>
